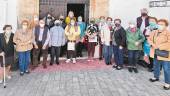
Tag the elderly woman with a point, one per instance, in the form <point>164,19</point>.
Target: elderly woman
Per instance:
<point>160,48</point>
<point>23,39</point>
<point>7,47</point>
<point>135,38</point>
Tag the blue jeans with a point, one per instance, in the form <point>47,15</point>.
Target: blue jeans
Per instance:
<point>166,67</point>
<point>133,56</point>
<point>118,55</point>
<point>107,53</point>
<point>24,60</point>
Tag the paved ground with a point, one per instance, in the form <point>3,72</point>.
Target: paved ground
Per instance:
<point>83,79</point>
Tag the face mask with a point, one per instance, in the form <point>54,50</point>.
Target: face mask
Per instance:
<point>8,32</point>
<point>72,24</point>
<point>57,24</point>
<point>24,27</point>
<point>144,14</point>
<point>42,25</point>
<point>80,20</point>
<point>117,24</point>
<point>61,19</point>
<point>35,19</point>
<point>160,27</point>
<point>152,23</point>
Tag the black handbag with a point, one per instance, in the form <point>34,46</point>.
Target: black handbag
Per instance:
<point>162,53</point>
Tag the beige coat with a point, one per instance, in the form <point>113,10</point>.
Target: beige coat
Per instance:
<point>23,41</point>
<point>161,41</point>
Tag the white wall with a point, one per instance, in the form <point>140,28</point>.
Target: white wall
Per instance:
<point>8,14</point>
<point>128,10</point>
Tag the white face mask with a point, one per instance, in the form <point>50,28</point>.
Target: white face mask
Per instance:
<point>42,25</point>
<point>35,19</point>
<point>8,31</point>
<point>72,23</point>
<point>24,27</point>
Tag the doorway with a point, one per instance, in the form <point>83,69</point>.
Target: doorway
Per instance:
<point>78,9</point>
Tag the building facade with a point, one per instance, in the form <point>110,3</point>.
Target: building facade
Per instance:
<point>14,11</point>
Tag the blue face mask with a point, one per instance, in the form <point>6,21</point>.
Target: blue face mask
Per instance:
<point>153,25</point>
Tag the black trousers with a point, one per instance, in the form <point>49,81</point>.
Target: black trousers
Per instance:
<point>79,48</point>
<point>37,53</point>
<point>55,52</point>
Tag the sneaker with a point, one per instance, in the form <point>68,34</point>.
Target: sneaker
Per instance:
<point>27,72</point>
<point>68,61</point>
<point>9,77</point>
<point>119,67</point>
<point>74,60</point>
<point>135,70</point>
<point>130,70</point>
<point>21,73</point>
<point>153,79</point>
<point>166,87</point>
<point>1,81</point>
<point>114,66</point>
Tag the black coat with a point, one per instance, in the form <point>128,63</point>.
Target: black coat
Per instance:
<point>7,48</point>
<point>139,22</point>
<point>120,37</point>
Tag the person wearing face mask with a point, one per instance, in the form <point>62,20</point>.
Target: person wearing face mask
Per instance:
<point>106,31</point>
<point>146,46</point>
<point>160,49</point>
<point>72,32</point>
<point>23,38</point>
<point>143,20</point>
<point>69,17</point>
<point>63,24</point>
<point>91,33</point>
<point>49,20</point>
<point>41,44</point>
<point>134,39</point>
<point>101,21</point>
<point>80,45</point>
<point>57,40</point>
<point>7,48</point>
<point>119,43</point>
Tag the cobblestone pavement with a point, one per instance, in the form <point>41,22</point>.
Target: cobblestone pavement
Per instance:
<point>83,79</point>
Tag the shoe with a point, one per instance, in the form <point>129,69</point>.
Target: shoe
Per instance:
<point>21,73</point>
<point>27,72</point>
<point>51,64</point>
<point>166,87</point>
<point>119,67</point>
<point>68,61</point>
<point>130,70</point>
<point>153,79</point>
<point>45,66</point>
<point>74,60</point>
<point>150,70</point>
<point>100,58</point>
<point>57,63</point>
<point>114,66</point>
<point>1,81</point>
<point>135,70</point>
<point>9,77</point>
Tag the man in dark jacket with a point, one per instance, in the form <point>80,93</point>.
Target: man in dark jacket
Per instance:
<point>143,20</point>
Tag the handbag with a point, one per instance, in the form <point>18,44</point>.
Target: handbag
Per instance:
<point>162,53</point>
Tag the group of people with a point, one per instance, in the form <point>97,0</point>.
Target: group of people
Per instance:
<point>146,35</point>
